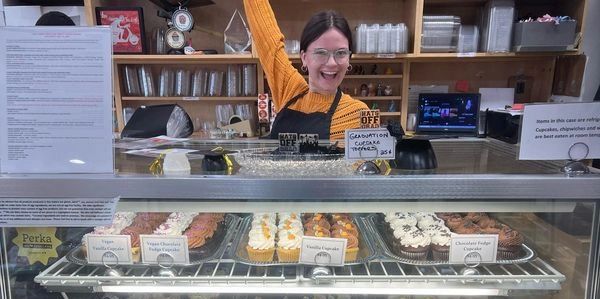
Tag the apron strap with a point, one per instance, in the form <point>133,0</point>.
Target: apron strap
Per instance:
<point>336,101</point>
<point>294,99</point>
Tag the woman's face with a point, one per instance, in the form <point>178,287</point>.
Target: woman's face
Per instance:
<point>327,59</point>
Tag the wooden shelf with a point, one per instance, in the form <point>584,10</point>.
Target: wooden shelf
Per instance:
<point>369,76</point>
<point>389,98</point>
<point>195,59</point>
<point>390,113</point>
<point>424,57</point>
<point>189,99</point>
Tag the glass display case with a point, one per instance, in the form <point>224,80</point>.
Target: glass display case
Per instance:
<point>546,225</point>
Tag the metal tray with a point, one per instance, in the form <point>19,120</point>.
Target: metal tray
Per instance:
<point>366,250</point>
<point>262,162</point>
<point>212,249</point>
<point>374,225</point>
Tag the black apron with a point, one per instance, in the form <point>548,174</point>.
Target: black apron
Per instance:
<point>292,121</point>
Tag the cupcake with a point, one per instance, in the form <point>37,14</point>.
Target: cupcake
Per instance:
<point>486,221</point>
<point>427,221</point>
<point>317,231</point>
<point>475,216</point>
<point>509,243</point>
<point>440,245</point>
<point>445,215</point>
<point>415,245</point>
<point>351,245</point>
<point>468,228</point>
<point>261,245</point>
<point>454,221</point>
<point>345,225</point>
<point>288,246</point>
<point>398,235</point>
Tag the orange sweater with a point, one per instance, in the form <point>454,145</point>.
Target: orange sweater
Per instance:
<point>285,81</point>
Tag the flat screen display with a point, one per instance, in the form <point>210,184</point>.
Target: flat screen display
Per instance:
<point>448,113</point>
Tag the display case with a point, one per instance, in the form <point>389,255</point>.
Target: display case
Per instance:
<point>557,216</point>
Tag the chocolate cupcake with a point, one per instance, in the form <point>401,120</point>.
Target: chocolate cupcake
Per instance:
<point>475,216</point>
<point>509,243</point>
<point>486,221</point>
<point>455,221</point>
<point>468,228</point>
<point>445,215</point>
<point>415,245</point>
<point>440,245</point>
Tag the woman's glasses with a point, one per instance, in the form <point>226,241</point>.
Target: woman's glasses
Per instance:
<point>340,56</point>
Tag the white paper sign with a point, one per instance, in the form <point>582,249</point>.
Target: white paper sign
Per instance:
<point>473,249</point>
<point>56,100</point>
<point>323,251</point>
<point>551,131</point>
<point>27,212</point>
<point>369,144</point>
<point>109,249</point>
<point>164,250</point>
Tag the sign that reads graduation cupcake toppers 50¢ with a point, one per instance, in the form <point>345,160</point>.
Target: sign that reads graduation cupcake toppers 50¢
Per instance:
<point>370,144</point>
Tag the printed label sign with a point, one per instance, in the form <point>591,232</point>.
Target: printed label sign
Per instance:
<point>473,249</point>
<point>288,142</point>
<point>323,251</point>
<point>365,144</point>
<point>370,119</point>
<point>164,250</point>
<point>308,142</point>
<point>560,131</point>
<point>109,249</point>
<point>63,212</point>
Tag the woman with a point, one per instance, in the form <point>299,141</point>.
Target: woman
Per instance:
<point>325,49</point>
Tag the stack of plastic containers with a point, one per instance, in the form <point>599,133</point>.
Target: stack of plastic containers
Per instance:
<point>440,33</point>
<point>381,39</point>
<point>496,25</point>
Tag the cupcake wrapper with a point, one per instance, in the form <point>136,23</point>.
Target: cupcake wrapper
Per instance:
<point>258,255</point>
<point>507,255</point>
<point>440,255</point>
<point>351,254</point>
<point>288,255</point>
<point>418,256</point>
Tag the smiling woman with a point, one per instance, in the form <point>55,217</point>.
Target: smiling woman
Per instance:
<point>316,107</point>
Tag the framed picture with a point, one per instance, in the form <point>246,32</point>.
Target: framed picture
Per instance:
<point>127,25</point>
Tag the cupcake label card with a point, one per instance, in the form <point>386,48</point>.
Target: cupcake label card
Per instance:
<point>109,249</point>
<point>473,249</point>
<point>323,251</point>
<point>164,250</point>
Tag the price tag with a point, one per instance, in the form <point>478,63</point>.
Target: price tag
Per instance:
<point>365,144</point>
<point>370,119</point>
<point>288,142</point>
<point>386,55</point>
<point>308,142</point>
<point>323,251</point>
<point>473,249</point>
<point>164,250</point>
<point>109,249</point>
<point>560,131</point>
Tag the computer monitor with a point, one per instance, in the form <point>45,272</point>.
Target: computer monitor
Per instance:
<point>448,113</point>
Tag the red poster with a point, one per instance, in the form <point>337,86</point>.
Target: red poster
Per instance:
<point>127,27</point>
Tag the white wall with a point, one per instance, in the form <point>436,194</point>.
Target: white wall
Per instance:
<point>591,48</point>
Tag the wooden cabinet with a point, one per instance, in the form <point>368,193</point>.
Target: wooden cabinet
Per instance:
<point>412,68</point>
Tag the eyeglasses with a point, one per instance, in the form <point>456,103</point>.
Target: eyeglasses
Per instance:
<point>340,56</point>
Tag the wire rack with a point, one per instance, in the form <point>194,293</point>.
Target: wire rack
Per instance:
<point>380,276</point>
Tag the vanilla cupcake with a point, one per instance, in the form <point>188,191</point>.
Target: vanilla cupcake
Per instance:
<point>288,246</point>
<point>261,244</point>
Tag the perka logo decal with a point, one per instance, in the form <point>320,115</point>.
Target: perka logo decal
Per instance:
<point>37,243</point>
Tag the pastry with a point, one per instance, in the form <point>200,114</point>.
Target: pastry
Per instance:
<point>288,246</point>
<point>509,243</point>
<point>415,245</point>
<point>440,245</point>
<point>351,244</point>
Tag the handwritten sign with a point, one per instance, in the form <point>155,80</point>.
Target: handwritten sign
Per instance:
<point>560,131</point>
<point>370,119</point>
<point>109,249</point>
<point>323,251</point>
<point>364,144</point>
<point>473,249</point>
<point>155,247</point>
